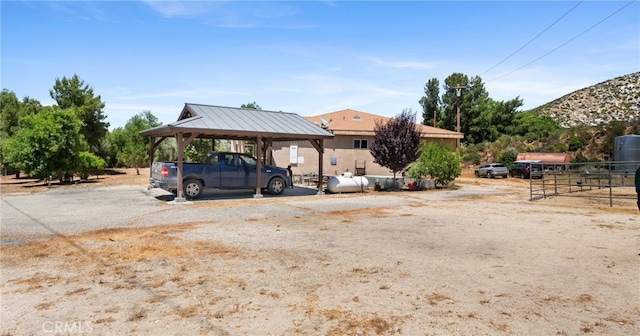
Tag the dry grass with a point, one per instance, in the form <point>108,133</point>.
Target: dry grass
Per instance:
<point>435,298</point>
<point>180,277</point>
<point>111,247</point>
<point>9,184</point>
<point>349,323</point>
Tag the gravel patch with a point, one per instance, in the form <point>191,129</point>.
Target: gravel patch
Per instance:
<point>27,217</point>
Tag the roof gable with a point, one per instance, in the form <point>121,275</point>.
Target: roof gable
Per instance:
<point>357,121</point>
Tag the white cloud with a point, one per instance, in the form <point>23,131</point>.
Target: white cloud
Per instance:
<point>176,9</point>
<point>233,15</point>
<point>398,64</point>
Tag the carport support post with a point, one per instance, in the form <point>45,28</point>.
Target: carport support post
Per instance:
<point>319,146</point>
<point>258,168</point>
<point>152,149</point>
<point>179,193</point>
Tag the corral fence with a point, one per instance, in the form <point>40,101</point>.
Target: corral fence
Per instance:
<point>608,179</point>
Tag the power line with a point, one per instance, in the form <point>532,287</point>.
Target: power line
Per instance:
<point>533,39</point>
<point>564,44</point>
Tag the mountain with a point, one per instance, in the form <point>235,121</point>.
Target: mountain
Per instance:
<point>615,99</point>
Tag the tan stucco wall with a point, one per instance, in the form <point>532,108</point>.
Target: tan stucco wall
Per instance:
<point>341,148</point>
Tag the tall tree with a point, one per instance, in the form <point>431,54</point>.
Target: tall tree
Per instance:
<point>11,110</point>
<point>430,103</point>
<point>396,142</point>
<point>503,117</point>
<point>10,113</point>
<point>47,143</point>
<point>450,100</point>
<point>135,150</point>
<point>475,101</point>
<point>75,93</point>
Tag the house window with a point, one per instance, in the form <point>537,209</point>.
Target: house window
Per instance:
<point>360,144</point>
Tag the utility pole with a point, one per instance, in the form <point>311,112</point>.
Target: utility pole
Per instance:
<point>458,102</point>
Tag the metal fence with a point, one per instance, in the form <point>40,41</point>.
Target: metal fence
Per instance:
<point>610,180</point>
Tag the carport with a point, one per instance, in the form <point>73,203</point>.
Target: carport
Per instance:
<point>232,123</point>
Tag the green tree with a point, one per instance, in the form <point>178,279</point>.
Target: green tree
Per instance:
<point>89,163</point>
<point>475,101</point>
<point>502,117</point>
<point>474,104</point>
<point>396,142</point>
<point>107,151</point>
<point>574,144</point>
<point>47,144</point>
<point>450,100</point>
<point>508,157</point>
<point>197,150</point>
<point>553,144</point>
<point>75,93</point>
<point>252,105</point>
<point>135,148</point>
<point>114,143</point>
<point>430,103</point>
<point>11,110</point>
<point>10,113</point>
<point>436,161</point>
<point>533,126</point>
<point>481,118</point>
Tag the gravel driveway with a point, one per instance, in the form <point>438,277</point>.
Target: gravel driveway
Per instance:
<point>480,260</point>
<point>27,216</point>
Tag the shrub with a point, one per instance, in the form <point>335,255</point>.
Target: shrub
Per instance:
<point>88,164</point>
<point>508,157</point>
<point>436,161</point>
<point>574,144</point>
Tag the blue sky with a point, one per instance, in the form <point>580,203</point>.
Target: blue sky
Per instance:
<point>311,57</point>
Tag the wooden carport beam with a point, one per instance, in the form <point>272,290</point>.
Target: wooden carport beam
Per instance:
<point>319,146</point>
<point>153,144</point>
<point>259,168</point>
<point>181,146</point>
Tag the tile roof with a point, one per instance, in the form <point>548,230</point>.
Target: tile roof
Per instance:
<point>357,122</point>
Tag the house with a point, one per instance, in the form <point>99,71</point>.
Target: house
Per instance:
<point>349,149</point>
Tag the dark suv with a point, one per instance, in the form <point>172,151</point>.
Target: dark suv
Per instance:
<point>526,169</point>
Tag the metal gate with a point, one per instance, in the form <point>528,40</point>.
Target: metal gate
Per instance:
<point>610,180</point>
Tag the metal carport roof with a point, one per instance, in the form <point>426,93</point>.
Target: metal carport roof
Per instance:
<point>221,122</point>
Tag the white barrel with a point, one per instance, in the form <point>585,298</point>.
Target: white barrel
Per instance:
<point>341,184</point>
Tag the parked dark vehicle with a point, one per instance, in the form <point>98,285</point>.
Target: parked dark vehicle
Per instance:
<point>492,170</point>
<point>220,170</point>
<point>527,169</point>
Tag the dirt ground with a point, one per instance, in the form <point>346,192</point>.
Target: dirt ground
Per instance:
<point>479,259</point>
